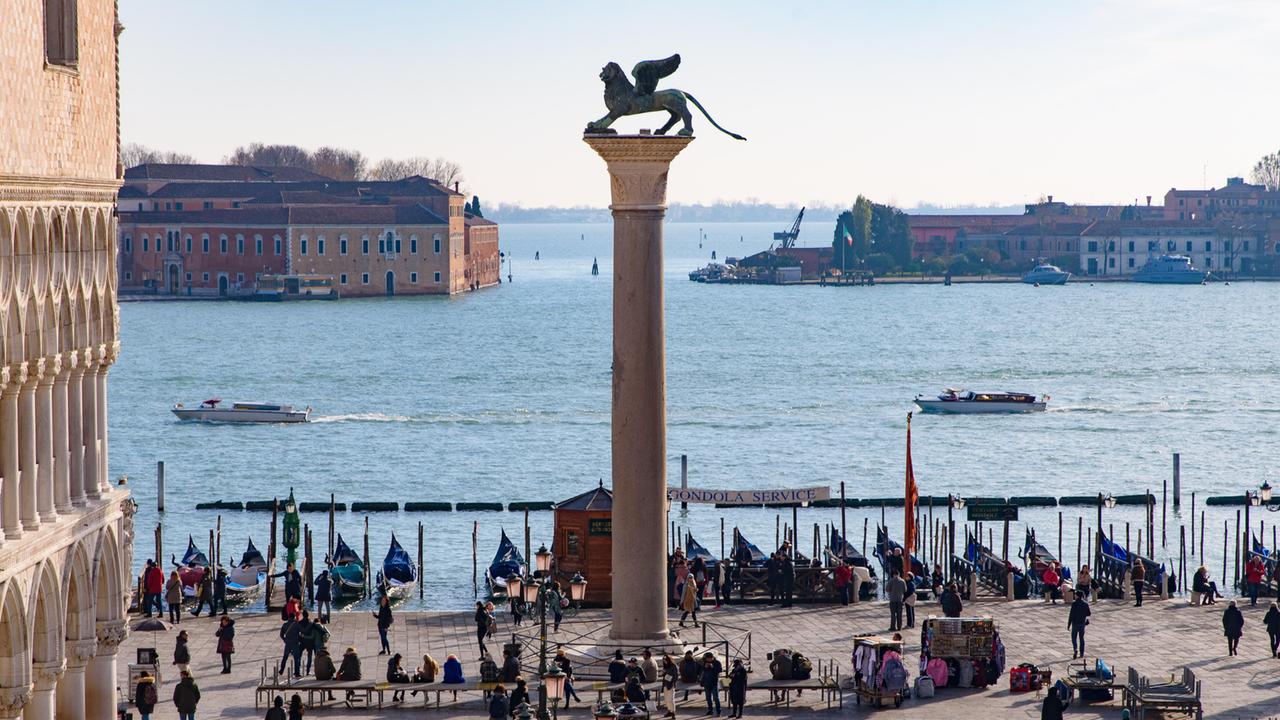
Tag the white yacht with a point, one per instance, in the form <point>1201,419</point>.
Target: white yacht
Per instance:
<point>1170,270</point>
<point>212,410</point>
<point>1046,274</point>
<point>957,401</point>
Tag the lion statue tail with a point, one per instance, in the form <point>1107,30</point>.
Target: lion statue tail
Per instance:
<point>710,119</point>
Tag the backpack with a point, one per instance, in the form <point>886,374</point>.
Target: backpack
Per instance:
<point>895,675</point>
<point>801,667</point>
<point>149,694</point>
<point>924,687</point>
<point>320,635</point>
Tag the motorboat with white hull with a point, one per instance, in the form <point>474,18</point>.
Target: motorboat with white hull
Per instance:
<point>213,410</point>
<point>1170,270</point>
<point>956,401</point>
<point>1046,274</point>
<point>248,576</point>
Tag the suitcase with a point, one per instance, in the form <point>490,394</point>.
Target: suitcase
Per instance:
<point>924,687</point>
<point>1019,680</point>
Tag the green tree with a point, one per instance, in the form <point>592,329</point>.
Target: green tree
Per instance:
<point>475,206</point>
<point>854,224</point>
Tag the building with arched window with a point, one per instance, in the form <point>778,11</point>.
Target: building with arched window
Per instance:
<point>65,531</point>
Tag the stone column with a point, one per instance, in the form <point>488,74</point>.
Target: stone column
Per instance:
<point>10,508</point>
<point>75,430</point>
<point>45,677</point>
<point>61,444</point>
<point>638,177</point>
<point>12,700</point>
<point>44,440</point>
<point>27,449</point>
<point>100,390</point>
<point>71,686</point>
<point>89,429</point>
<point>100,674</point>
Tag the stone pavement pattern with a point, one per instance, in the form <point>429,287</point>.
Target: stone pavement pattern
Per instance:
<point>1157,639</point>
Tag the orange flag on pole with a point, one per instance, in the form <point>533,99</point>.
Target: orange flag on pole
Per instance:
<point>911,498</point>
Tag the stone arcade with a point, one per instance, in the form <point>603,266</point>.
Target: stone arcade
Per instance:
<point>66,532</point>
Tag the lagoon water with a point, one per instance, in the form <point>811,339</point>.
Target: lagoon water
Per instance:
<point>504,395</point>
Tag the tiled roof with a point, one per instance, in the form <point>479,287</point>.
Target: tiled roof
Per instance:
<point>1058,228</point>
<point>219,173</point>
<point>415,214</point>
<point>271,191</point>
<point>277,216</point>
<point>478,221</point>
<point>129,191</point>
<point>597,498</point>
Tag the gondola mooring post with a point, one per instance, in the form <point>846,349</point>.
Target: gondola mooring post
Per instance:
<point>366,555</point>
<point>844,529</point>
<point>422,571</point>
<point>333,507</point>
<point>308,562</point>
<point>528,552</point>
<point>217,554</point>
<point>475,586</point>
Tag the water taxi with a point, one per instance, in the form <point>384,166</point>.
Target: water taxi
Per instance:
<point>1046,274</point>
<point>1170,270</point>
<point>212,410</point>
<point>957,401</point>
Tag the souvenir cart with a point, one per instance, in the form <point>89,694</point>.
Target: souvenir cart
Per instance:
<point>879,672</point>
<point>961,652</point>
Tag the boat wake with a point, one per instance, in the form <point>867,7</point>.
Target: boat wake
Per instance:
<point>361,417</point>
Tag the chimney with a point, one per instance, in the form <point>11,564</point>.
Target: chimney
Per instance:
<point>1148,201</point>
<point>1050,199</point>
<point>455,186</point>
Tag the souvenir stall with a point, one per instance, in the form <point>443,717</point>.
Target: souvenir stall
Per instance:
<point>961,652</point>
<point>879,673</point>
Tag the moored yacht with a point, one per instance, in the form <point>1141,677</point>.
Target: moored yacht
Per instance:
<point>956,401</point>
<point>212,410</point>
<point>1170,270</point>
<point>1046,274</point>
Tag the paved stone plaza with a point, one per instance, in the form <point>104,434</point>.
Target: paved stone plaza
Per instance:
<point>1158,639</point>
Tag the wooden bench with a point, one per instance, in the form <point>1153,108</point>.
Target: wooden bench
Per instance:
<point>366,688</point>
<point>827,687</point>
<point>654,689</point>
<point>1178,695</point>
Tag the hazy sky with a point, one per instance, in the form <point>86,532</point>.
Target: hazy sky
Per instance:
<point>945,102</point>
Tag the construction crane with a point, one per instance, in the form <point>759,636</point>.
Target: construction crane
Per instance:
<point>787,239</point>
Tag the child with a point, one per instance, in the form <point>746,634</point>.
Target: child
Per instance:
<point>295,707</point>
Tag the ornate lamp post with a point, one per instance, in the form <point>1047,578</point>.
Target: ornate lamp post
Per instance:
<point>514,585</point>
<point>292,525</point>
<point>605,712</point>
<point>537,592</point>
<point>577,589</point>
<point>542,560</point>
<point>1108,502</point>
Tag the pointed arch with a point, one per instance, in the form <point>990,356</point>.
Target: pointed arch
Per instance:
<point>66,322</point>
<point>77,591</point>
<point>12,324</point>
<point>47,615</point>
<point>39,249</point>
<point>94,336</point>
<point>107,578</point>
<point>22,256</point>
<point>58,248</point>
<point>32,347</point>
<point>7,230</point>
<point>15,656</point>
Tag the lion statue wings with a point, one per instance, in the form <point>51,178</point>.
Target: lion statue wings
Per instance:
<point>622,98</point>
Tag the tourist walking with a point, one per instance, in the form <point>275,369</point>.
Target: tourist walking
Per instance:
<point>689,603</point>
<point>204,593</point>
<point>909,600</point>
<point>276,711</point>
<point>181,653</point>
<point>306,639</point>
<point>566,667</point>
<point>843,577</point>
<point>1077,619</point>
<point>173,597</point>
<point>669,677</point>
<point>950,601</point>
<point>186,696</point>
<point>1254,572</point>
<point>145,695</point>
<point>737,689</point>
<point>384,623</point>
<point>291,637</point>
<point>555,597</point>
<point>292,582</point>
<point>219,591</point>
<point>709,679</point>
<point>226,634</point>
<point>317,639</point>
<point>724,582</point>
<point>1207,588</point>
<point>482,626</point>
<point>1272,621</point>
<point>1232,627</point>
<point>1084,582</point>
<point>152,586</point>
<point>324,596</point>
<point>787,577</point>
<point>895,590</point>
<point>1139,577</point>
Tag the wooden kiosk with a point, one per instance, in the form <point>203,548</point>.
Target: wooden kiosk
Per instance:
<point>583,543</point>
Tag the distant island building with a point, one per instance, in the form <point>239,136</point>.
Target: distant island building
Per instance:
<point>218,229</point>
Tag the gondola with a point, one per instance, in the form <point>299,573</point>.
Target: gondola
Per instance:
<point>884,544</point>
<point>995,570</point>
<point>842,549</point>
<point>1037,558</point>
<point>347,570</point>
<point>248,576</point>
<point>1116,559</point>
<point>191,568</point>
<point>758,558</point>
<point>399,573</point>
<point>694,550</point>
<point>507,561</point>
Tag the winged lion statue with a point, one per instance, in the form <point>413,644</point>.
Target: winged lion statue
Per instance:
<point>622,98</point>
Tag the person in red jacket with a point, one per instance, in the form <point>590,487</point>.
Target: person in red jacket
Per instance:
<point>1254,571</point>
<point>152,588</point>
<point>1051,580</point>
<point>843,578</point>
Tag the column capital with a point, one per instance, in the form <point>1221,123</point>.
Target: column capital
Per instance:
<point>80,652</point>
<point>112,352</point>
<point>100,354</point>
<point>19,377</point>
<point>110,634</point>
<point>13,699</point>
<point>638,167</point>
<point>45,675</point>
<point>37,372</point>
<point>52,367</point>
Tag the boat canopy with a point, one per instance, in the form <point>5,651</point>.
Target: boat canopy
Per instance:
<point>342,554</point>
<point>193,556</point>
<point>251,557</point>
<point>398,567</point>
<point>693,549</point>
<point>758,558</point>
<point>844,550</point>
<point>507,561</point>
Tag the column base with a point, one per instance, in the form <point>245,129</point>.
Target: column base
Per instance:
<point>657,643</point>
<point>48,517</point>
<point>30,525</point>
<point>13,534</point>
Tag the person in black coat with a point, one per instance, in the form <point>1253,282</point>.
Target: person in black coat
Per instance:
<point>324,596</point>
<point>519,694</point>
<point>737,689</point>
<point>1232,627</point>
<point>709,679</point>
<point>1076,621</point>
<point>1052,707</point>
<point>773,569</point>
<point>787,579</point>
<point>1272,620</point>
<point>384,624</point>
<point>950,601</point>
<point>292,582</point>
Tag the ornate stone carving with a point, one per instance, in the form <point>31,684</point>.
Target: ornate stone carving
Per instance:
<point>4,377</point>
<point>638,168</point>
<point>21,377</point>
<point>622,98</point>
<point>13,699</point>
<point>110,634</point>
<point>39,372</point>
<point>80,652</point>
<point>46,675</point>
<point>52,367</point>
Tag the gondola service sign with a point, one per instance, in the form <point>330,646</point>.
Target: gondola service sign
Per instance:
<point>790,496</point>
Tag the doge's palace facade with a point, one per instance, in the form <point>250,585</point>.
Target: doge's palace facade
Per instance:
<point>65,531</point>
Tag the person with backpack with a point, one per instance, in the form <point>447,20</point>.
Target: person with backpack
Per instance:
<point>181,653</point>
<point>276,711</point>
<point>1139,577</point>
<point>145,696</point>
<point>226,634</point>
<point>1077,619</point>
<point>801,667</point>
<point>186,696</point>
<point>324,596</point>
<point>709,679</point>
<point>737,689</point>
<point>219,591</point>
<point>384,624</point>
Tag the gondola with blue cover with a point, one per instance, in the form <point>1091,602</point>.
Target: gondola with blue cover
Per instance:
<point>399,572</point>
<point>248,576</point>
<point>693,550</point>
<point>507,561</point>
<point>1115,560</point>
<point>347,570</point>
<point>758,558</point>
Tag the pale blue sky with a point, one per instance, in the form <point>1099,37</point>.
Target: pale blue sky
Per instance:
<point>948,102</point>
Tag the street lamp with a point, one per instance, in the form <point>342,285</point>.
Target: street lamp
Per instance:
<point>629,711</point>
<point>523,712</point>
<point>1107,501</point>
<point>543,559</point>
<point>553,684</point>
<point>605,712</point>
<point>514,583</point>
<point>954,502</point>
<point>529,590</point>
<point>577,588</point>
<point>553,680</point>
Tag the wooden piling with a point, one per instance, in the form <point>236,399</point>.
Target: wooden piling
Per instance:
<point>844,529</point>
<point>271,557</point>
<point>1060,537</point>
<point>1202,531</point>
<point>1182,557</point>
<point>218,545</point>
<point>817,533</point>
<point>422,570</point>
<point>1127,549</point>
<point>367,568</point>
<point>213,563</point>
<point>1177,490</point>
<point>159,488</point>
<point>475,585</point>
<point>528,550</point>
<point>1006,541</point>
<point>159,545</point>
<point>722,555</point>
<point>777,530</point>
<point>795,529</point>
<point>308,565</point>
<point>1236,576</point>
<point>864,537</point>
<point>1151,526</point>
<point>1226,528</point>
<point>1164,516</point>
<point>1079,541</point>
<point>333,507</point>
<point>1193,522</point>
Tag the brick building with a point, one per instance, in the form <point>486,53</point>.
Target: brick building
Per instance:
<point>213,229</point>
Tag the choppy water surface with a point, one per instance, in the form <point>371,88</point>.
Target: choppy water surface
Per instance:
<point>504,395</point>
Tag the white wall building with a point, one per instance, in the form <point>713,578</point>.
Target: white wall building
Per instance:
<point>1122,248</point>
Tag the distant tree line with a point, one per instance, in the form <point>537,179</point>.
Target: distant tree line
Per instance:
<point>872,236</point>
<point>337,163</point>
